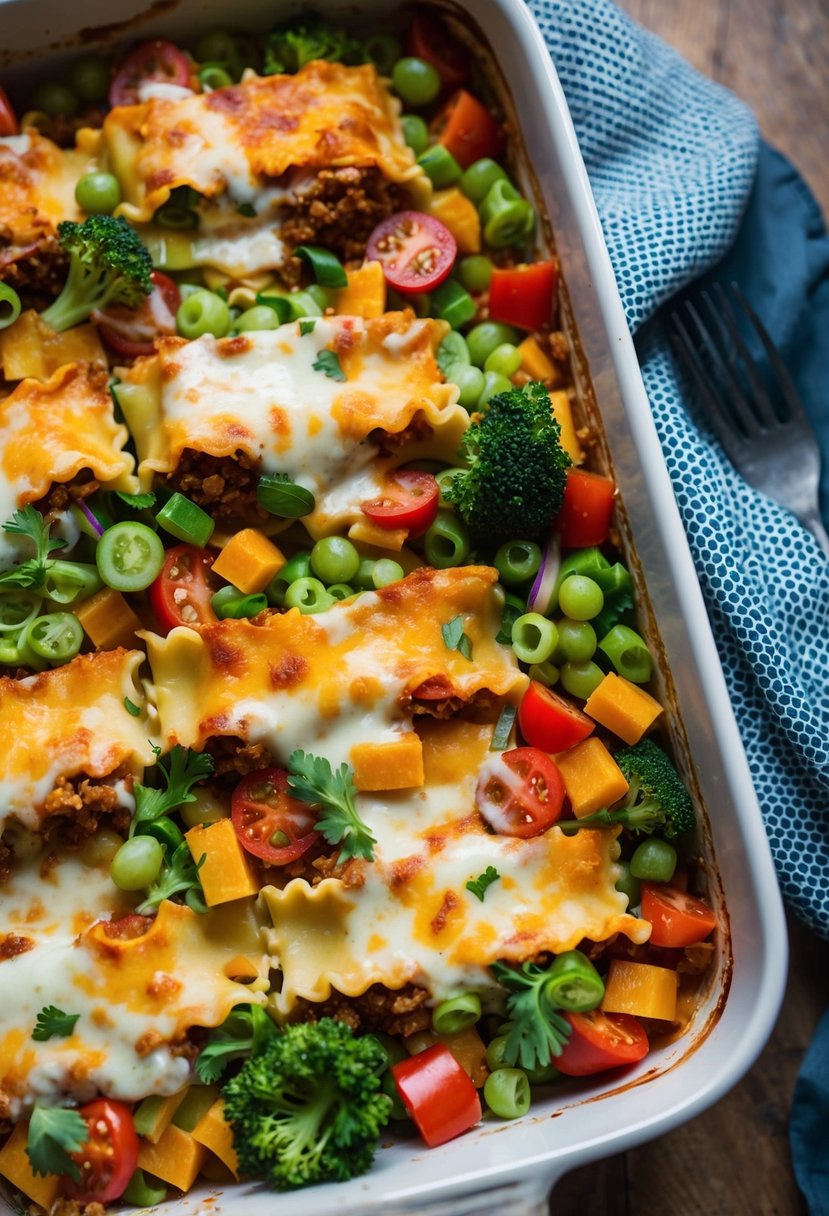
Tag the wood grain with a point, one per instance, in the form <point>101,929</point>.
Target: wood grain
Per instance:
<point>734,1159</point>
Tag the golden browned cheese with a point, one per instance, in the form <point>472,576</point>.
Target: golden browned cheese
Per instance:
<point>37,190</point>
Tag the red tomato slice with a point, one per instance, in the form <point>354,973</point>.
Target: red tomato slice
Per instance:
<point>523,295</point>
<point>108,1159</point>
<point>587,509</point>
<point>599,1041</point>
<point>181,593</point>
<point>678,919</point>
<point>435,688</point>
<point>428,39</point>
<point>8,118</point>
<point>410,501</point>
<point>520,792</point>
<point>467,129</point>
<point>131,331</point>
<point>549,721</point>
<point>156,60</point>
<point>262,806</point>
<point>437,1093</point>
<point>416,250</point>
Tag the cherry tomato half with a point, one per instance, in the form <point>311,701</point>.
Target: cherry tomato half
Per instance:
<point>157,60</point>
<point>8,118</point>
<point>549,721</point>
<point>437,1093</point>
<point>520,792</point>
<point>410,500</point>
<point>270,823</point>
<point>108,1159</point>
<point>416,250</point>
<point>677,918</point>
<point>130,331</point>
<point>599,1041</point>
<point>429,39</point>
<point>181,593</point>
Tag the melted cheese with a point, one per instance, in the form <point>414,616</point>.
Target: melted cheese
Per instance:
<point>135,997</point>
<point>37,190</point>
<point>324,683</point>
<point>261,394</point>
<point>413,920</point>
<point>68,722</point>
<point>237,140</point>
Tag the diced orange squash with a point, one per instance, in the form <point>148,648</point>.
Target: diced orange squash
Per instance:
<point>15,1165</point>
<point>622,707</point>
<point>176,1158</point>
<point>640,989</point>
<point>460,216</point>
<point>249,561</point>
<point>107,619</point>
<point>591,776</point>
<point>225,873</point>
<point>367,533</point>
<point>536,362</point>
<point>563,414</point>
<point>31,348</point>
<point>397,765</point>
<point>468,1049</point>
<point>365,295</point>
<point>215,1133</point>
<point>154,1115</point>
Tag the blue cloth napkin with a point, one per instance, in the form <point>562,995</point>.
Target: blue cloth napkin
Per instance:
<point>685,188</point>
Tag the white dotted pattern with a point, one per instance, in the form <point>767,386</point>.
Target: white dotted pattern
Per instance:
<point>671,158</point>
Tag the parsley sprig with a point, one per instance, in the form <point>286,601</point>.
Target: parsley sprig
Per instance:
<point>312,780</point>
<point>328,363</point>
<point>178,876</point>
<point>54,1133</point>
<point>536,1030</point>
<point>480,885</point>
<point>53,1023</point>
<point>180,770</point>
<point>32,572</point>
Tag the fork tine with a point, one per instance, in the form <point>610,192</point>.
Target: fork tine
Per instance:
<point>737,403</point>
<point>790,394</point>
<point>719,419</point>
<point>725,318</point>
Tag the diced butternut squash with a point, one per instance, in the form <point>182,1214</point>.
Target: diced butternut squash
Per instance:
<point>397,765</point>
<point>31,348</point>
<point>468,1049</point>
<point>15,1165</point>
<point>154,1114</point>
<point>460,216</point>
<point>225,873</point>
<point>215,1133</point>
<point>249,561</point>
<point>622,707</point>
<point>591,776</point>
<point>640,989</point>
<point>177,1158</point>
<point>563,414</point>
<point>536,362</point>
<point>364,532</point>
<point>107,619</point>
<point>365,295</point>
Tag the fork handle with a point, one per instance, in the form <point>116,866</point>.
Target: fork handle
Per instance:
<point>812,521</point>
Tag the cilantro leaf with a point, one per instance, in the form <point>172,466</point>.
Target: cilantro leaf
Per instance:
<point>328,363</point>
<point>179,876</point>
<point>312,780</point>
<point>536,1030</point>
<point>480,885</point>
<point>52,1021</point>
<point>243,1033</point>
<point>139,501</point>
<point>32,572</point>
<point>180,770</point>
<point>454,637</point>
<point>307,326</point>
<point>54,1133</point>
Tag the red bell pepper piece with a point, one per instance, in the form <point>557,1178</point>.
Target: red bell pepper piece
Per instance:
<point>467,129</point>
<point>585,514</point>
<point>524,295</point>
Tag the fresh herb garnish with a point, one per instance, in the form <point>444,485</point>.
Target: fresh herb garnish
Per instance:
<point>454,637</point>
<point>312,780</point>
<point>327,268</point>
<point>32,572</point>
<point>480,885</point>
<point>503,728</point>
<point>279,304</point>
<point>131,707</point>
<point>54,1133</point>
<point>139,501</point>
<point>53,1022</point>
<point>180,770</point>
<point>307,326</point>
<point>281,496</point>
<point>536,1030</point>
<point>328,363</point>
<point>179,876</point>
<point>243,1033</point>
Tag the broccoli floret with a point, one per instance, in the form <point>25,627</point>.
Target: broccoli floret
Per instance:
<point>292,44</point>
<point>243,1033</point>
<point>656,800</point>
<point>308,1107</point>
<point>515,483</point>
<point>108,264</point>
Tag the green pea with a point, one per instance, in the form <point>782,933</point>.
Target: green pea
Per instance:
<point>341,591</point>
<point>383,50</point>
<point>201,313</point>
<point>469,382</point>
<point>98,193</point>
<point>576,640</point>
<point>415,133</point>
<point>517,561</point>
<point>494,383</point>
<point>416,82</point>
<point>480,177</point>
<point>533,638</point>
<point>335,559</point>
<point>89,78</point>
<point>55,99</point>
<point>137,863</point>
<point>483,339</point>
<point>580,598</point>
<point>581,679</point>
<point>507,1093</point>
<point>505,359</point>
<point>363,580</point>
<point>453,349</point>
<point>446,543</point>
<point>309,596</point>
<point>475,272</point>
<point>205,808</point>
<point>457,1013</point>
<point>258,317</point>
<point>654,860</point>
<point>386,571</point>
<point>495,1052</point>
<point>628,885</point>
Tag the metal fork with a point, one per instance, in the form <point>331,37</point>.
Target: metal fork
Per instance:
<point>764,429</point>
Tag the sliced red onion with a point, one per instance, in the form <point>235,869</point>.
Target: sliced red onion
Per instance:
<point>541,596</point>
<point>90,517</point>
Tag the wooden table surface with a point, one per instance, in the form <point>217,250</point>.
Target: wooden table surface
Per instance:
<point>734,1159</point>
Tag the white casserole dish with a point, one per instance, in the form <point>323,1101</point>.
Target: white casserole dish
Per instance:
<point>510,1167</point>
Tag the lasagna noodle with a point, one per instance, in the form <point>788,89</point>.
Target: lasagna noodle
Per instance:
<point>413,920</point>
<point>325,683</point>
<point>237,140</point>
<point>271,396</point>
<point>37,190</point>
<point>66,723</point>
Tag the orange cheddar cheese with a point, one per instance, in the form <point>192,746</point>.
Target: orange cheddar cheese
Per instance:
<point>591,776</point>
<point>622,707</point>
<point>388,766</point>
<point>249,561</point>
<point>225,873</point>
